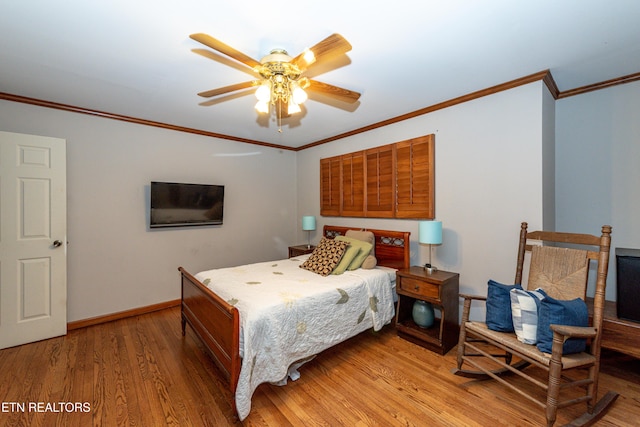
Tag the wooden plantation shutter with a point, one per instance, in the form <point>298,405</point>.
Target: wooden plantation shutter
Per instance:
<point>330,186</point>
<point>353,184</point>
<point>390,181</point>
<point>381,181</point>
<point>415,178</point>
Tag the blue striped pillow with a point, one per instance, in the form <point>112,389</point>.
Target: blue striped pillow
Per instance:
<point>524,311</point>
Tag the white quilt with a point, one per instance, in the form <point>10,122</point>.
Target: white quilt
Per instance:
<point>288,314</point>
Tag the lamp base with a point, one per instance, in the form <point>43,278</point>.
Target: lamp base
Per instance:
<point>430,269</point>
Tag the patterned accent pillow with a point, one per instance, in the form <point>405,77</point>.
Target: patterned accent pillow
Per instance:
<point>325,257</point>
<point>524,310</point>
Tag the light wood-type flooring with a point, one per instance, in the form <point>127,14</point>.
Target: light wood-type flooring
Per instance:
<point>140,371</point>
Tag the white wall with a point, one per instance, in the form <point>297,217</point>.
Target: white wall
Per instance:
<point>598,173</point>
<point>494,163</point>
<point>548,161</point>
<point>489,166</point>
<point>115,262</point>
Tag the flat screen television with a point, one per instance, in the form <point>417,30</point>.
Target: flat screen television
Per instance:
<point>178,205</point>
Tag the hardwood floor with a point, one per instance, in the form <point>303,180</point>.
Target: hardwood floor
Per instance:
<point>140,371</point>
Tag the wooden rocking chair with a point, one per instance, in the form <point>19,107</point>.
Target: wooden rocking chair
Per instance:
<point>559,264</point>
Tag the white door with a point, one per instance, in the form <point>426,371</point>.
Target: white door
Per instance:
<point>33,241</point>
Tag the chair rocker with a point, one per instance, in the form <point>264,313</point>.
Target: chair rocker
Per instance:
<point>559,264</point>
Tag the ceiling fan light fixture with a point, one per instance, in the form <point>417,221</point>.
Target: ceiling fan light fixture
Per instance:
<point>298,94</point>
<point>262,107</point>
<point>292,107</point>
<point>282,83</point>
<point>263,93</point>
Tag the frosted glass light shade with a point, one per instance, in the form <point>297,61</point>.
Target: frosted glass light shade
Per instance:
<point>262,107</point>
<point>308,223</point>
<point>263,93</point>
<point>299,95</point>
<point>430,232</point>
<point>293,108</point>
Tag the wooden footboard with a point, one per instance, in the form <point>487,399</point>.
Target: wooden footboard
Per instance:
<point>216,323</point>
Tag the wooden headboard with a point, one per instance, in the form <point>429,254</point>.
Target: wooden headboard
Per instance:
<point>392,247</point>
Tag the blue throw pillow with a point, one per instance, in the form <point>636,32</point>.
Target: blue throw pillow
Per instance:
<point>499,306</point>
<point>558,312</point>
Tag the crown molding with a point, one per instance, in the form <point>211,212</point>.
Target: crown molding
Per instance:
<point>544,76</point>
<point>602,85</point>
<point>106,115</point>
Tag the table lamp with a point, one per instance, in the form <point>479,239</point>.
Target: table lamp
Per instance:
<point>308,225</point>
<point>430,233</point>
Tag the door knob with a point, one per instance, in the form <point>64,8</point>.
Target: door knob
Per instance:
<point>57,243</point>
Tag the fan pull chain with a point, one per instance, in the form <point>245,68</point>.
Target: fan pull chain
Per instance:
<point>279,117</point>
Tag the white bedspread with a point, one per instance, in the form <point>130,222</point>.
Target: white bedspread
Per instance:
<point>288,314</point>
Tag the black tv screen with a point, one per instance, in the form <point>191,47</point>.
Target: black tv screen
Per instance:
<point>178,205</point>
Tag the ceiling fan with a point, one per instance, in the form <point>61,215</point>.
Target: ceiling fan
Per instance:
<point>281,81</point>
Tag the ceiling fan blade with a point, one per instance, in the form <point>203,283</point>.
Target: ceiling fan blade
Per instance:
<point>215,44</point>
<point>335,91</point>
<point>226,89</point>
<point>328,48</point>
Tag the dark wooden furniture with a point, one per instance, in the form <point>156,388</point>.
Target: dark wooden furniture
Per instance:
<point>618,334</point>
<point>561,270</point>
<point>300,250</point>
<point>441,290</point>
<point>217,323</point>
<point>391,181</point>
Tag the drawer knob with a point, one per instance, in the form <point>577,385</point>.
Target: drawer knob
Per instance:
<point>417,288</point>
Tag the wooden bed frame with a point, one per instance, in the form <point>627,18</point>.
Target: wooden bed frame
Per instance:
<point>217,323</point>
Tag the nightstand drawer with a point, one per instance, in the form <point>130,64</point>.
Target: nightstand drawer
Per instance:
<point>420,287</point>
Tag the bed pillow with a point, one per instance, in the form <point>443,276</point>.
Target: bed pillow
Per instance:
<point>364,249</point>
<point>561,312</point>
<point>370,261</point>
<point>325,257</point>
<point>524,311</point>
<point>351,253</point>
<point>499,306</point>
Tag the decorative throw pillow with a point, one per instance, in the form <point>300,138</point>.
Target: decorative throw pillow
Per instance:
<point>370,261</point>
<point>363,252</point>
<point>349,255</point>
<point>524,311</point>
<point>560,312</point>
<point>499,306</point>
<point>325,257</point>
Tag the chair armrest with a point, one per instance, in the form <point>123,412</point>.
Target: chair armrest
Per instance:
<point>466,305</point>
<point>564,332</point>
<point>473,297</point>
<point>574,331</point>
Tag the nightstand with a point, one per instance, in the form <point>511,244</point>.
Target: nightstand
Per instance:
<point>441,290</point>
<point>300,250</point>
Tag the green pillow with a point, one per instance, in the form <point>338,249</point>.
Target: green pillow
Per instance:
<point>349,255</point>
<point>365,249</point>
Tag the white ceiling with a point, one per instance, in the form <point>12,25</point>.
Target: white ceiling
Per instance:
<point>135,58</point>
